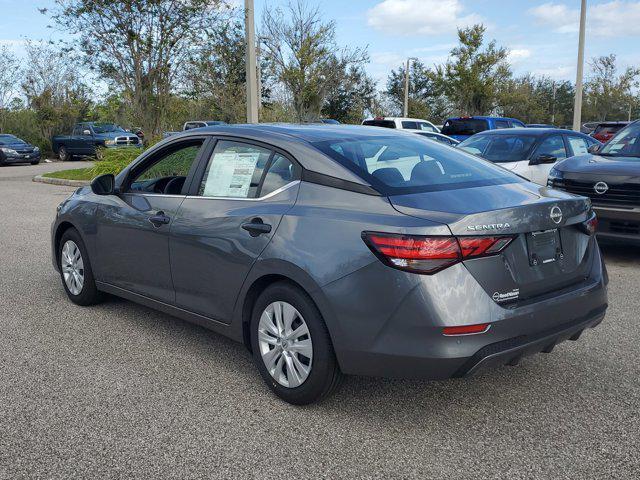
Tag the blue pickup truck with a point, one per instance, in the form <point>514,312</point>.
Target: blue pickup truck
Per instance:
<point>87,137</point>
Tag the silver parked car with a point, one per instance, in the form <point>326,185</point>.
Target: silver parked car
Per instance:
<point>331,250</point>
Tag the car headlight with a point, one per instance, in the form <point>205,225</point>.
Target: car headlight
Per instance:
<point>554,175</point>
<point>9,151</point>
<point>109,142</point>
<point>36,149</point>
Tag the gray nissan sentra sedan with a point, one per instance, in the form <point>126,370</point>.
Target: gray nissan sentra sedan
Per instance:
<point>332,250</point>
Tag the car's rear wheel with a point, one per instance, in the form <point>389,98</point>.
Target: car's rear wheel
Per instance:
<point>75,270</point>
<point>63,154</point>
<point>292,347</point>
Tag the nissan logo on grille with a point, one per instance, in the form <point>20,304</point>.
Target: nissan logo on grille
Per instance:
<point>600,188</point>
<point>556,214</point>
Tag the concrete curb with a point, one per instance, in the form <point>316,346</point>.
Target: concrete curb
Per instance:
<point>61,181</point>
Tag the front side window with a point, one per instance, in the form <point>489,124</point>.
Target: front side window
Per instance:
<point>502,124</point>
<point>553,146</point>
<point>168,172</point>
<point>625,144</point>
<point>500,148</point>
<point>395,165</point>
<point>409,125</point>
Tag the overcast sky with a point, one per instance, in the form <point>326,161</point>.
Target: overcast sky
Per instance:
<point>541,36</point>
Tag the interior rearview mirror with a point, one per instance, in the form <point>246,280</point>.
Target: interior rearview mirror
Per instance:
<point>104,184</point>
<point>86,132</point>
<point>542,158</point>
<point>595,148</point>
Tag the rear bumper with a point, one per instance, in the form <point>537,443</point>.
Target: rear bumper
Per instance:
<point>375,336</point>
<point>510,351</point>
<point>618,225</point>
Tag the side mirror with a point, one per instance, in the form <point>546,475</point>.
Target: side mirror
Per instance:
<point>594,148</point>
<point>543,158</point>
<point>104,184</point>
<point>86,132</point>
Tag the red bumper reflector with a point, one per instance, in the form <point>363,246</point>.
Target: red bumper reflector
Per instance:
<point>466,329</point>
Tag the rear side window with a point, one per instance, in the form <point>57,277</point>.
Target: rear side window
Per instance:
<point>380,123</point>
<point>464,126</point>
<point>396,166</point>
<point>280,173</point>
<point>578,145</point>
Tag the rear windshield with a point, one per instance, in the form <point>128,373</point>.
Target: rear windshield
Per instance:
<point>464,126</point>
<point>608,128</point>
<point>399,165</point>
<point>500,148</point>
<point>380,123</point>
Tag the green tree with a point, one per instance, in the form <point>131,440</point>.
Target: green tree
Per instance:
<point>348,101</point>
<point>54,90</point>
<point>140,47</point>
<point>537,100</point>
<point>304,58</point>
<point>474,76</point>
<point>610,95</point>
<point>9,81</point>
<point>426,98</point>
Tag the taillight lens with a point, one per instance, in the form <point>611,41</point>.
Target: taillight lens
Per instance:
<point>430,254</point>
<point>590,225</point>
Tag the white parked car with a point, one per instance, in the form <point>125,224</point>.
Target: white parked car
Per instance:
<point>531,152</point>
<point>402,123</point>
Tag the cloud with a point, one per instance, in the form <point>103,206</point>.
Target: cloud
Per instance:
<point>518,54</point>
<point>613,19</point>
<point>419,17</point>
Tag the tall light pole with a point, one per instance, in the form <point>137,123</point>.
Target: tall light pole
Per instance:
<point>406,87</point>
<point>577,106</point>
<point>251,64</point>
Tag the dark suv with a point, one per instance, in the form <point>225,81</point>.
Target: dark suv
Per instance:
<point>610,176</point>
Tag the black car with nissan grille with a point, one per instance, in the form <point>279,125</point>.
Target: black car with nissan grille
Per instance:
<point>610,176</point>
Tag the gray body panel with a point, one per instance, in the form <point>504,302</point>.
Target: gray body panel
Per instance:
<point>204,267</point>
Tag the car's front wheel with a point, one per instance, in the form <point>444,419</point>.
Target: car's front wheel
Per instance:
<point>75,270</point>
<point>292,347</point>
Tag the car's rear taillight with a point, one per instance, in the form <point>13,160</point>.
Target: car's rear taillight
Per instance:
<point>590,225</point>
<point>430,254</point>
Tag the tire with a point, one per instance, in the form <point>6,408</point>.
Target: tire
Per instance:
<point>323,377</point>
<point>87,293</point>
<point>35,162</point>
<point>64,155</point>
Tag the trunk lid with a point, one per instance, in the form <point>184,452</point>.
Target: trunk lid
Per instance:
<point>523,210</point>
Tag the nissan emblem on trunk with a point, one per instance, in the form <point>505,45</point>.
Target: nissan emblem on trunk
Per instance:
<point>600,188</point>
<point>556,214</point>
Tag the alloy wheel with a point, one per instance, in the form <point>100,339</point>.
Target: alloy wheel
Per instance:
<point>285,344</point>
<point>72,267</point>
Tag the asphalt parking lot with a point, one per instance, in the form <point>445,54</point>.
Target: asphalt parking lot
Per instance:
<point>119,390</point>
